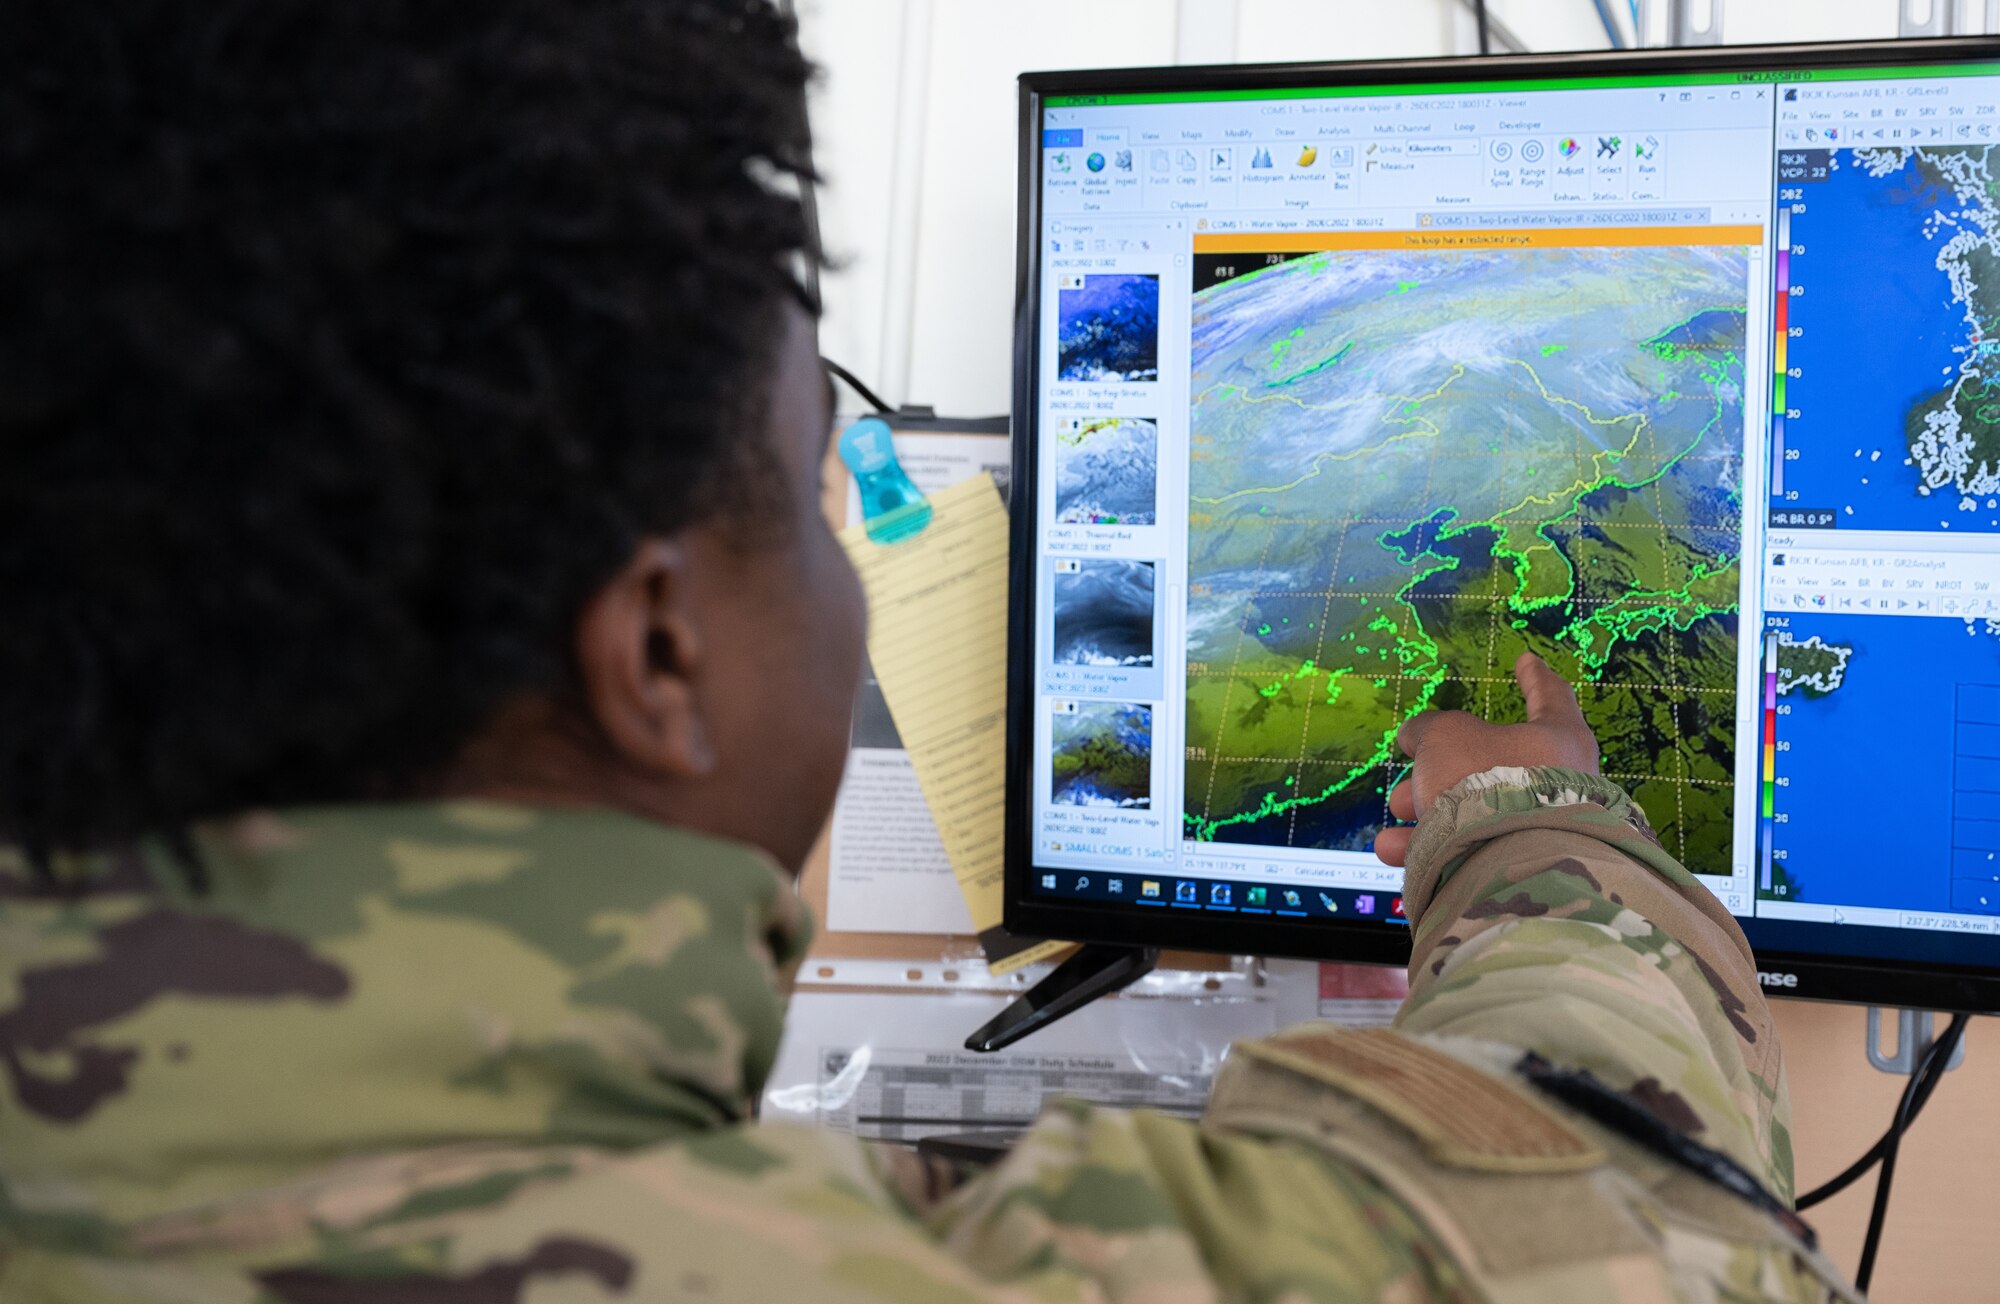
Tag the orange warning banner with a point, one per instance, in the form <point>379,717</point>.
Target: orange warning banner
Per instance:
<point>1575,237</point>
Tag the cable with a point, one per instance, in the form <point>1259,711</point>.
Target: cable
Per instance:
<point>1612,31</point>
<point>1924,1079</point>
<point>1498,33</point>
<point>1485,27</point>
<point>868,396</point>
<point>1878,1216</point>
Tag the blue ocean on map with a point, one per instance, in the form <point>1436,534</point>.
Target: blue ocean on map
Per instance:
<point>1104,614</point>
<point>1890,729</point>
<point>1108,329</point>
<point>1881,335</point>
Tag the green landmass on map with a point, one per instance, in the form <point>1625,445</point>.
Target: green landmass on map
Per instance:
<point>1813,667</point>
<point>1408,468</point>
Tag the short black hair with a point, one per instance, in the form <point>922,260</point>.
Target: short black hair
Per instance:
<point>346,348</point>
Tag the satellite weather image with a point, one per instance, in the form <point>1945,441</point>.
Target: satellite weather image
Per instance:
<point>1104,613</point>
<point>1410,466</point>
<point>1108,328</point>
<point>1107,470</point>
<point>1103,755</point>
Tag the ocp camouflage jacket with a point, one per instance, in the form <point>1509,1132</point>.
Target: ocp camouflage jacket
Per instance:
<point>475,1054</point>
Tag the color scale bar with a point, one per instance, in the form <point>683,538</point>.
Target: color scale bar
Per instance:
<point>1782,317</point>
<point>1768,788</point>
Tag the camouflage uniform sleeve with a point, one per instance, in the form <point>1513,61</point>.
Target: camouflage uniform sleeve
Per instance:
<point>1134,1206</point>
<point>1093,1205</point>
<point>1548,917</point>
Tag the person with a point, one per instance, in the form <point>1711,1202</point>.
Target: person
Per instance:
<point>425,664</point>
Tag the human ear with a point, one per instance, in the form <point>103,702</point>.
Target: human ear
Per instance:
<point>640,656</point>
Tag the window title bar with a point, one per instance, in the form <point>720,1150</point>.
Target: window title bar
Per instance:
<point>1751,77</point>
<point>1603,237</point>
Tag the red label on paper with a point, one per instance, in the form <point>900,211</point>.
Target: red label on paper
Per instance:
<point>1379,982</point>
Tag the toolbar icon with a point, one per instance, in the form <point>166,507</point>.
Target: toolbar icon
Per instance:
<point>1184,891</point>
<point>1608,146</point>
<point>1218,894</point>
<point>1531,151</point>
<point>1308,156</point>
<point>1149,887</point>
<point>1569,147</point>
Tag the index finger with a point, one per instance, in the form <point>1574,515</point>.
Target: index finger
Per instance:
<point>1411,735</point>
<point>1550,698</point>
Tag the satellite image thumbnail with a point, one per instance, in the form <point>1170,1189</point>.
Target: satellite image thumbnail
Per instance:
<point>1106,471</point>
<point>1108,327</point>
<point>1104,613</point>
<point>1103,755</point>
<point>1410,466</point>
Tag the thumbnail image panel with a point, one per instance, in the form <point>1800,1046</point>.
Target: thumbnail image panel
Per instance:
<point>1103,755</point>
<point>1107,471</point>
<point>1104,613</point>
<point>1108,327</point>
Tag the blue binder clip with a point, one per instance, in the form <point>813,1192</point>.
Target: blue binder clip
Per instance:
<point>892,508</point>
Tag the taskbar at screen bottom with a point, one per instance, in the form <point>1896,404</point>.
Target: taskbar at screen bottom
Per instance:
<point>1219,896</point>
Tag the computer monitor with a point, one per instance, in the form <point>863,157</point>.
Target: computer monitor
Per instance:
<point>1340,385</point>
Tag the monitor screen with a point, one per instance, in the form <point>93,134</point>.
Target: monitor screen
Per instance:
<point>1339,394</point>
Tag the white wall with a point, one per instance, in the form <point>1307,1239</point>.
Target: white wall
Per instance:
<point>915,123</point>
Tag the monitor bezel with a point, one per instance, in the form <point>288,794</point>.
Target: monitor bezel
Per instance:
<point>1783,972</point>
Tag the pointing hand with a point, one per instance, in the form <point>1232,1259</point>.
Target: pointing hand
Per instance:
<point>1447,746</point>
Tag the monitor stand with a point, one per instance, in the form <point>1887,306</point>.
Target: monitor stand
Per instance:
<point>1095,970</point>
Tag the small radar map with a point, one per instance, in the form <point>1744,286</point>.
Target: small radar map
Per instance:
<point>1902,245</point>
<point>1410,466</point>
<point>1898,244</point>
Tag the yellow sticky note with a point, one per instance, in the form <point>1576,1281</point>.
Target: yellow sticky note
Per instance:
<point>937,635</point>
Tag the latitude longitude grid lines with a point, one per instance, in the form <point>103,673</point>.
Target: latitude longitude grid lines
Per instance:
<point>1685,694</point>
